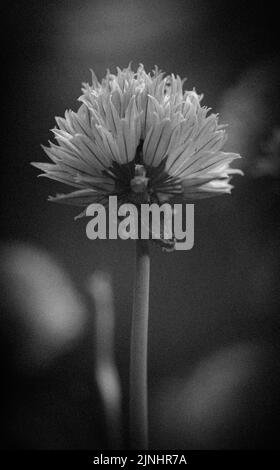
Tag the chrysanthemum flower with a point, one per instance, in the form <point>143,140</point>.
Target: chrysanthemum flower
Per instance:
<point>139,136</point>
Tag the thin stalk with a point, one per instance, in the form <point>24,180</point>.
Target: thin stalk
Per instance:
<point>138,349</point>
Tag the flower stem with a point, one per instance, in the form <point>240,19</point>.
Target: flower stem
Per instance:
<point>138,349</point>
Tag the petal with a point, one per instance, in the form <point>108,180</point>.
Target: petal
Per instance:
<point>127,137</point>
<point>157,142</point>
<point>99,183</point>
<point>194,155</point>
<point>62,178</point>
<point>204,189</point>
<point>207,163</point>
<point>81,197</point>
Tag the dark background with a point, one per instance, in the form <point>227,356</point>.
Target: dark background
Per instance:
<point>214,311</point>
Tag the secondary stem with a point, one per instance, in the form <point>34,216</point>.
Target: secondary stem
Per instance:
<point>138,349</point>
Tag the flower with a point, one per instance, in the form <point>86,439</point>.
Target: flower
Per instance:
<point>139,136</point>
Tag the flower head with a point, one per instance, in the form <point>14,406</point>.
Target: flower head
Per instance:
<point>139,136</point>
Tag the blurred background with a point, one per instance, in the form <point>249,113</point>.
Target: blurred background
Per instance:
<point>214,353</point>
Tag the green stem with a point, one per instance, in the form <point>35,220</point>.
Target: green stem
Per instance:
<point>138,349</point>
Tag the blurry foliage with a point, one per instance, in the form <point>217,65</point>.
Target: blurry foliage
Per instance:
<point>268,162</point>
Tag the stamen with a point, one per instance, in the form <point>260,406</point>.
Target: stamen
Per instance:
<point>139,183</point>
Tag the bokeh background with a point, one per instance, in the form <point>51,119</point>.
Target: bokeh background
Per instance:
<point>214,358</point>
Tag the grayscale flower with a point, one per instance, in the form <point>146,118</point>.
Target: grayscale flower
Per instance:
<point>141,137</point>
